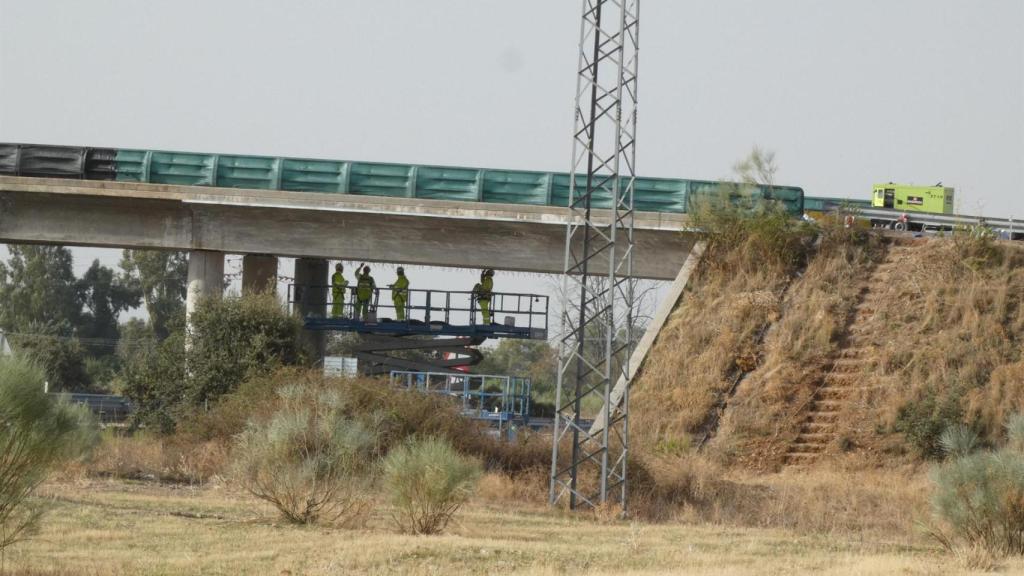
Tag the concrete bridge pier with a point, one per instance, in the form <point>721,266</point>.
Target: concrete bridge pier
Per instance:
<point>259,274</point>
<point>205,277</point>
<point>311,300</point>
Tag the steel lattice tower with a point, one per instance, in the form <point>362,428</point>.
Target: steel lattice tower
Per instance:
<point>588,465</point>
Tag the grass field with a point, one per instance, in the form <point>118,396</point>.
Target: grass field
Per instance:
<point>115,527</point>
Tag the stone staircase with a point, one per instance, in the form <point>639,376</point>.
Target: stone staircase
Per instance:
<point>842,383</point>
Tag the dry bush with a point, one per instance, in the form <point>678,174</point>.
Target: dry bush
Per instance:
<point>676,487</point>
<point>693,488</point>
<point>990,406</point>
<point>529,487</point>
<point>393,414</point>
<point>427,482</point>
<point>309,459</point>
<point>176,459</point>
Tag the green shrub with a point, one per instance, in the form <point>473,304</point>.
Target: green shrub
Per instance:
<point>37,433</point>
<point>236,338</point>
<point>1015,433</point>
<point>427,481</point>
<point>745,234</point>
<point>924,419</point>
<point>308,459</point>
<point>958,441</point>
<point>979,497</point>
<point>230,341</point>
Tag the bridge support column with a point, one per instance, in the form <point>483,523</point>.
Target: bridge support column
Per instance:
<point>259,274</point>
<point>205,278</point>
<point>311,300</point>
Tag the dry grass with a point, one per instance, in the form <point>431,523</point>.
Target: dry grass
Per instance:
<point>763,416</point>
<point>949,335</point>
<point>174,459</point>
<point>944,339</point>
<point>711,333</point>
<point>113,528</point>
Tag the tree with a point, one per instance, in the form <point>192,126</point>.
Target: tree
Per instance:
<point>758,168</point>
<point>105,296</point>
<point>230,341</point>
<point>163,279</point>
<point>37,285</point>
<point>57,353</point>
<point>40,306</point>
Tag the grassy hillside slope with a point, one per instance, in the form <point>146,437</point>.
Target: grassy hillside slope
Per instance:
<point>921,333</point>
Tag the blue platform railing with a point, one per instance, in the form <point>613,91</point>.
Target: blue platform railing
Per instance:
<point>440,312</point>
<point>503,401</point>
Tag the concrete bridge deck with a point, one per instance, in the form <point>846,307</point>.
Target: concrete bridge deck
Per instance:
<point>314,225</point>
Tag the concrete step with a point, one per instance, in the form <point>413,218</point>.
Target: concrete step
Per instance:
<point>822,416</point>
<point>843,378</point>
<point>847,371</point>
<point>830,404</point>
<point>830,393</point>
<point>799,458</point>
<point>815,427</point>
<point>845,392</point>
<point>808,447</point>
<point>814,438</point>
<point>847,363</point>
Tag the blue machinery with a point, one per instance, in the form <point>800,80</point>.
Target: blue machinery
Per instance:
<point>501,401</point>
<point>440,328</point>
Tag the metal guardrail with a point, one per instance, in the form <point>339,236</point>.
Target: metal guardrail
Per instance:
<point>108,408</point>
<point>670,195</point>
<point>949,220</point>
<point>1009,228</point>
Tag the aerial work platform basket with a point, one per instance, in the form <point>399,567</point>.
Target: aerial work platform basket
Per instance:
<point>424,312</point>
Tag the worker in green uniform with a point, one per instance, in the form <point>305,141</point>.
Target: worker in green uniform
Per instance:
<point>482,293</point>
<point>365,288</point>
<point>338,285</point>
<point>400,294</point>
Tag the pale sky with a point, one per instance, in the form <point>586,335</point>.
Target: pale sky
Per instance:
<point>847,93</point>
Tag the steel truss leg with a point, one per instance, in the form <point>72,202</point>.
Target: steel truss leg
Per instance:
<point>589,468</point>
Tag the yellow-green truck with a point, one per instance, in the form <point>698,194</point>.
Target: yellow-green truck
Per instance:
<point>907,198</point>
<point>931,199</point>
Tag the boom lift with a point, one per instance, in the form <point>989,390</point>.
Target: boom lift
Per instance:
<point>443,326</point>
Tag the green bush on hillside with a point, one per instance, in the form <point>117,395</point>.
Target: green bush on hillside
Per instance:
<point>751,235</point>
<point>37,433</point>
<point>924,420</point>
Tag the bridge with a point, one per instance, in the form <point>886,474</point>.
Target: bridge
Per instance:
<point>316,210</point>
